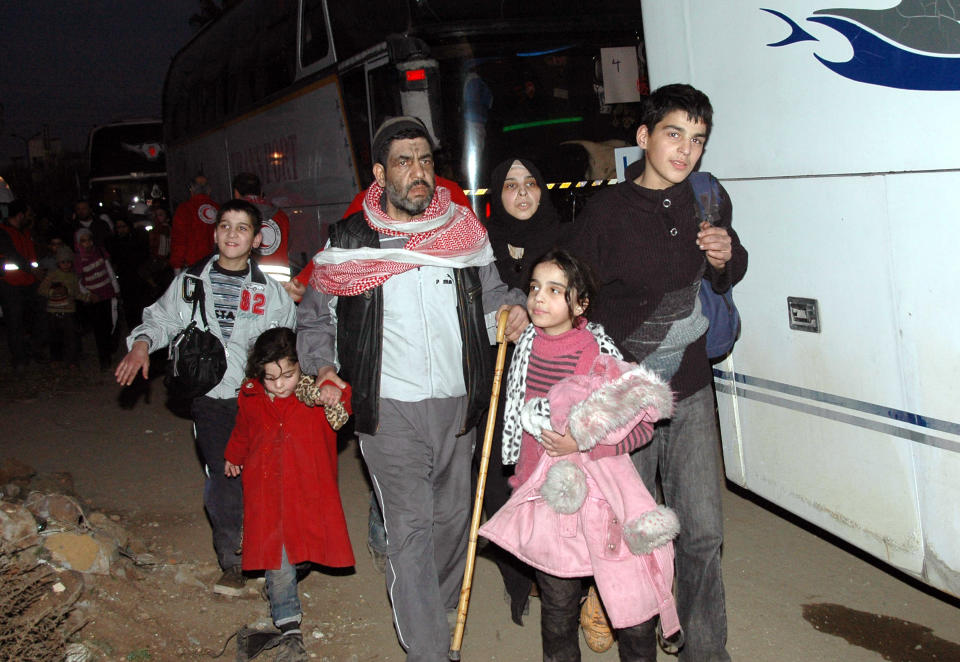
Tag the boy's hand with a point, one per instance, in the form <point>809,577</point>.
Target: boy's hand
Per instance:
<point>716,244</point>
<point>137,359</point>
<point>231,470</point>
<point>329,374</point>
<point>556,444</point>
<point>517,321</point>
<point>329,395</point>
<point>295,289</point>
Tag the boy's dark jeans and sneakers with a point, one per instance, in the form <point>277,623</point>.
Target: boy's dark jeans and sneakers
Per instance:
<point>686,448</point>
<point>213,421</point>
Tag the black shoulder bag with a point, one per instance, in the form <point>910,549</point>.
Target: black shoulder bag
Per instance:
<point>196,358</point>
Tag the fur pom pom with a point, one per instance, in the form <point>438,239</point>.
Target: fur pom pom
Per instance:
<point>535,416</point>
<point>650,530</point>
<point>565,487</point>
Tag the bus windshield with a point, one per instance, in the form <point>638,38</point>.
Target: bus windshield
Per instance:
<point>127,165</point>
<point>542,101</point>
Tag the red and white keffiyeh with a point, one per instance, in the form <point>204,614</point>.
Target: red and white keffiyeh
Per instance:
<point>446,234</point>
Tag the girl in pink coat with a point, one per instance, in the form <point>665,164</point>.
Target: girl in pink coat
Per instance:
<point>579,509</point>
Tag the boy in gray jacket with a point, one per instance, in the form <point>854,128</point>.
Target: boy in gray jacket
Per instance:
<point>240,305</point>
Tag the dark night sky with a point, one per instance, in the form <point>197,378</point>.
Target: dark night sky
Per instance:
<point>74,64</point>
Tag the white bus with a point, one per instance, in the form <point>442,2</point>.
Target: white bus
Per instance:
<point>834,135</point>
<point>838,402</point>
<point>293,91</point>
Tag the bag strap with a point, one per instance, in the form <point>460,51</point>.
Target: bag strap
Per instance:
<point>196,295</point>
<point>706,193</point>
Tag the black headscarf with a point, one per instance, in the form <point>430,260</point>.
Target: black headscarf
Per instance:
<point>536,235</point>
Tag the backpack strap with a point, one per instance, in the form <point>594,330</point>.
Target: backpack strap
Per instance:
<point>256,274</point>
<point>706,193</point>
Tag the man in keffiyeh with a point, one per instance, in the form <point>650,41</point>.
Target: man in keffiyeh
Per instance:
<point>401,304</point>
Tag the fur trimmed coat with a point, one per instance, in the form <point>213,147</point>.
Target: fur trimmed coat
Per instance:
<point>576,516</point>
<point>288,452</point>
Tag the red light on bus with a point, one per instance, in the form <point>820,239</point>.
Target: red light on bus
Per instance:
<point>416,74</point>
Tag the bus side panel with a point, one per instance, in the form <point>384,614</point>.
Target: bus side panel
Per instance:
<point>825,239</point>
<point>928,319</point>
<point>300,151</point>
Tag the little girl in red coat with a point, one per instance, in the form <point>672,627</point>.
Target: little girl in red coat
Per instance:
<point>287,452</point>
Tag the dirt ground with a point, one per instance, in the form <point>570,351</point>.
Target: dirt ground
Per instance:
<point>790,592</point>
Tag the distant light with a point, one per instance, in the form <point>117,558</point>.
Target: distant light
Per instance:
<point>530,125</point>
<point>148,227</point>
<point>10,266</point>
<point>546,52</point>
<point>34,265</point>
<point>136,198</point>
<point>416,74</point>
<point>276,157</point>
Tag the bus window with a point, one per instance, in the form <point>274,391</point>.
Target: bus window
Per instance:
<point>314,44</point>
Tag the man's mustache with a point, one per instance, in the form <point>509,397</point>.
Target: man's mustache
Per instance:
<point>418,182</point>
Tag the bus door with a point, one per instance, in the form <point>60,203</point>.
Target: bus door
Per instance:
<point>392,78</point>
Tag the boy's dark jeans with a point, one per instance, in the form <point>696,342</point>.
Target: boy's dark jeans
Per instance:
<point>213,421</point>
<point>560,624</point>
<point>64,337</point>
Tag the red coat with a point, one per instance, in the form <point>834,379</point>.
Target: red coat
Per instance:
<point>290,497</point>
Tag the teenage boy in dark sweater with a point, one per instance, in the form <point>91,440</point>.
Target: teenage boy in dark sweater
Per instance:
<point>650,251</point>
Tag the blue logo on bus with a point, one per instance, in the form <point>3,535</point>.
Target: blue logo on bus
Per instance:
<point>913,46</point>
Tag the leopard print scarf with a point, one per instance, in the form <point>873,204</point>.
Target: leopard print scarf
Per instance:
<point>517,385</point>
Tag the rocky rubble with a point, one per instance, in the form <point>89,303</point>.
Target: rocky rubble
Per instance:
<point>51,551</point>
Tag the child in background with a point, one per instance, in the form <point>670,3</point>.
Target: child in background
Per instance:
<point>100,288</point>
<point>574,411</point>
<point>62,289</point>
<point>287,453</point>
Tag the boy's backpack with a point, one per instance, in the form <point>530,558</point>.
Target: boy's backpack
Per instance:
<point>719,309</point>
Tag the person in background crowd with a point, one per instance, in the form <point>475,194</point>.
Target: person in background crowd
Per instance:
<point>84,219</point>
<point>100,288</point>
<point>62,291</point>
<point>191,238</point>
<point>272,255</point>
<point>129,254</point>
<point>18,288</point>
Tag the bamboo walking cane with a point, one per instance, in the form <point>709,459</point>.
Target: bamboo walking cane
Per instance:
<point>481,484</point>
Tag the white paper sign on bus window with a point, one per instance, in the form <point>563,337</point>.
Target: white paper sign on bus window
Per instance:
<point>620,74</point>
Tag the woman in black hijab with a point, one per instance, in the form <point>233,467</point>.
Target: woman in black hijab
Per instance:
<point>523,225</point>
